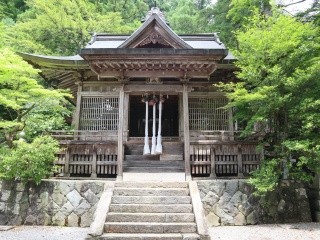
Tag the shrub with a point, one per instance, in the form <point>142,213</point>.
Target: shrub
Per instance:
<point>29,161</point>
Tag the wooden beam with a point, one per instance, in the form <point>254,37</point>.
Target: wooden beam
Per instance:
<point>153,88</point>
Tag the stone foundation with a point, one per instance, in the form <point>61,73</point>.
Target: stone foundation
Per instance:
<point>231,202</point>
<point>54,202</point>
<point>314,196</point>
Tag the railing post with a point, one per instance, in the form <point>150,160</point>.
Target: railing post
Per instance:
<point>94,162</point>
<point>66,162</point>
<point>213,162</point>
<point>239,158</point>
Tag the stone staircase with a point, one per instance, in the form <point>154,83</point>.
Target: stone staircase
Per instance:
<point>154,210</point>
<point>168,166</point>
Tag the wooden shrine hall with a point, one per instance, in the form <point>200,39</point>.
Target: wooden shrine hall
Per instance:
<point>146,103</point>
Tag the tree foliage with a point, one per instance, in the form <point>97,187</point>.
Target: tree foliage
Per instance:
<point>279,64</point>
<point>20,94</point>
<point>64,27</point>
<point>29,161</point>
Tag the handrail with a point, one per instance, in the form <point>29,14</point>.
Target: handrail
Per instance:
<point>83,134</point>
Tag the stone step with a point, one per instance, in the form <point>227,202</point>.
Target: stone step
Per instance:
<point>139,161</point>
<point>171,157</point>
<point>151,208</point>
<point>154,169</point>
<point>149,236</point>
<point>178,176</point>
<point>151,185</point>
<point>167,148</point>
<point>150,227</point>
<point>151,191</point>
<point>150,217</point>
<point>142,157</point>
<point>152,199</point>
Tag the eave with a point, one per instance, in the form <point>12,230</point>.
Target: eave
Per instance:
<point>153,62</point>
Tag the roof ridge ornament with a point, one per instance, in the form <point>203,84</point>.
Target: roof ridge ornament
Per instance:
<point>157,11</point>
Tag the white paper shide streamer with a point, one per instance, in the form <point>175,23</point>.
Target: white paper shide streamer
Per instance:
<point>146,149</point>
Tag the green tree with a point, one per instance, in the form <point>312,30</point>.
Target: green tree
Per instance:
<point>223,24</point>
<point>278,58</point>
<point>20,94</point>
<point>130,11</point>
<point>29,162</point>
<point>11,8</point>
<point>191,16</point>
<point>63,27</point>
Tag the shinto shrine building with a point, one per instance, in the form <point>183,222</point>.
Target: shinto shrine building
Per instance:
<point>146,103</point>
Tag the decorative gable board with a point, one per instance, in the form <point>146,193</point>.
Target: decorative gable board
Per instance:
<point>154,31</point>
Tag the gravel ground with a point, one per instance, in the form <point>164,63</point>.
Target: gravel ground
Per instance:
<point>301,231</point>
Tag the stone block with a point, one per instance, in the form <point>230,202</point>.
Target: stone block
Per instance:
<point>225,218</point>
<point>82,208</point>
<point>44,219</point>
<point>253,218</point>
<point>53,208</point>
<point>224,199</point>
<point>67,208</point>
<point>87,217</point>
<point>64,187</point>
<point>281,206</point>
<point>59,198</point>
<point>240,220</point>
<point>210,198</point>
<point>213,220</point>
<point>74,197</point>
<point>18,197</point>
<point>232,187</point>
<point>59,219</point>
<point>16,209</point>
<point>30,220</point>
<point>91,197</point>
<point>317,216</point>
<point>218,186</point>
<point>2,206</point>
<point>5,195</point>
<point>73,220</point>
<point>20,187</point>
<point>245,187</point>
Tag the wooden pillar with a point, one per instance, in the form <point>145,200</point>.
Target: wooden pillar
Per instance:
<point>94,162</point>
<point>239,157</point>
<point>186,131</point>
<point>120,134</point>
<point>213,162</point>
<point>126,117</point>
<point>66,162</point>
<point>231,126</point>
<point>78,108</point>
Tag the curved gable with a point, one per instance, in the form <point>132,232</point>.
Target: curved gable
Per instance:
<point>154,33</point>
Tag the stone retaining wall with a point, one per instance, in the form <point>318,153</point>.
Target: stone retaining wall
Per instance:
<point>231,202</point>
<point>53,202</point>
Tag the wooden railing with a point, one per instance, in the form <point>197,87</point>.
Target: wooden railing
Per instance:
<point>224,160</point>
<point>82,135</point>
<point>203,136</point>
<point>88,160</point>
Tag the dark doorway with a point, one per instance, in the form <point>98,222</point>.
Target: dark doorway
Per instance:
<point>170,117</point>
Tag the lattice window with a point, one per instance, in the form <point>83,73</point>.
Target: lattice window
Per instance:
<point>99,113</point>
<point>208,114</point>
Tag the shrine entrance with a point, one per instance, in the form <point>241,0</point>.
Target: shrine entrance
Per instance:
<point>169,119</point>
